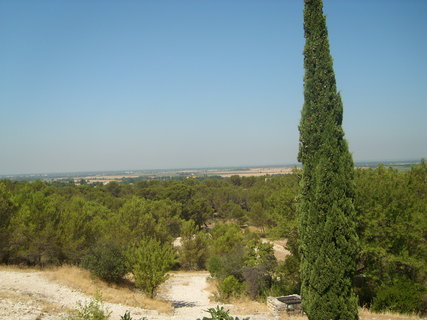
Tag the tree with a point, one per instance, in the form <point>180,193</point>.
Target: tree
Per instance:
<point>149,261</point>
<point>194,250</point>
<point>328,239</point>
<point>391,209</point>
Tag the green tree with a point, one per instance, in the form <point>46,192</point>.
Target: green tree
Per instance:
<point>194,249</point>
<point>392,218</point>
<point>106,261</point>
<point>149,261</point>
<point>328,239</point>
<point>7,210</point>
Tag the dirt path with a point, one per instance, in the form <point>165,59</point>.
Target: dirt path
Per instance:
<point>188,294</point>
<point>30,296</point>
<point>186,289</point>
<point>61,299</point>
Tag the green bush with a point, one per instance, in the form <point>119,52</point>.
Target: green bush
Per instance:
<point>230,287</point>
<point>220,314</point>
<point>286,278</point>
<point>90,311</point>
<point>149,261</point>
<point>402,296</point>
<point>107,262</point>
<point>193,252</point>
<point>127,316</point>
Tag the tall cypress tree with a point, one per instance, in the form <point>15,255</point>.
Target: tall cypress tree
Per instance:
<point>328,240</point>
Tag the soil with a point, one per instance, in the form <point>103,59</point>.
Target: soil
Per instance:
<point>31,296</point>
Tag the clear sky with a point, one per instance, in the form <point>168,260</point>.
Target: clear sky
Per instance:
<point>122,85</point>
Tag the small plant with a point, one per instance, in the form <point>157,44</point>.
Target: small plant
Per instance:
<point>220,314</point>
<point>230,287</point>
<point>90,311</point>
<point>127,316</point>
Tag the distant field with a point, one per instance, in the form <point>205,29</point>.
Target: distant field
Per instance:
<point>168,174</point>
<point>184,174</point>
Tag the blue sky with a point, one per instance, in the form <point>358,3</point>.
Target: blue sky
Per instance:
<point>122,85</point>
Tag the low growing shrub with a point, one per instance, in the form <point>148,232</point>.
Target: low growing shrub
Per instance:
<point>106,261</point>
<point>230,287</point>
<point>127,316</point>
<point>90,311</point>
<point>220,314</point>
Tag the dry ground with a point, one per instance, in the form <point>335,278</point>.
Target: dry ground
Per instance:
<point>31,294</point>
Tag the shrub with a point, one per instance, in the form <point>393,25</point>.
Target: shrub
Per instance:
<point>402,296</point>
<point>107,262</point>
<point>257,281</point>
<point>227,263</point>
<point>90,311</point>
<point>127,316</point>
<point>220,314</point>
<point>149,260</point>
<point>286,278</point>
<point>230,287</point>
<point>193,252</point>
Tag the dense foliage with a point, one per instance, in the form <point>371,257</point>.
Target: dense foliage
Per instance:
<point>55,223</point>
<point>328,239</point>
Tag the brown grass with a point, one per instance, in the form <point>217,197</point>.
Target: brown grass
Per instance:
<point>242,305</point>
<point>18,268</point>
<point>246,306</point>
<point>125,293</point>
<point>285,316</point>
<point>364,314</point>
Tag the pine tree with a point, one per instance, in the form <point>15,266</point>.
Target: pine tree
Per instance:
<point>328,240</point>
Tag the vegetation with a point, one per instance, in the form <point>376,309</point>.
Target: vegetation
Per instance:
<point>328,239</point>
<point>127,316</point>
<point>149,261</point>
<point>392,222</point>
<point>219,313</point>
<point>106,261</point>
<point>62,223</point>
<point>93,310</point>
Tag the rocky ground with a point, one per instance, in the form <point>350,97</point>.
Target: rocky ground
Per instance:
<point>30,296</point>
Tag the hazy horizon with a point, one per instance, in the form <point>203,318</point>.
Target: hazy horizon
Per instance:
<point>107,85</point>
<point>278,165</point>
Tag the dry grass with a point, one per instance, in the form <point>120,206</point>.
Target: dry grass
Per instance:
<point>242,305</point>
<point>126,293</point>
<point>247,306</point>
<point>18,268</point>
<point>285,316</point>
<point>364,314</point>
<point>45,306</point>
<point>212,288</point>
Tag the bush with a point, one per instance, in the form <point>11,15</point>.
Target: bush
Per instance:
<point>230,287</point>
<point>286,278</point>
<point>402,296</point>
<point>149,261</point>
<point>220,314</point>
<point>107,262</point>
<point>227,263</point>
<point>90,311</point>
<point>127,316</point>
<point>193,252</point>
<point>257,281</point>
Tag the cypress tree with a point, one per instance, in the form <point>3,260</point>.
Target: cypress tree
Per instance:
<point>328,239</point>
